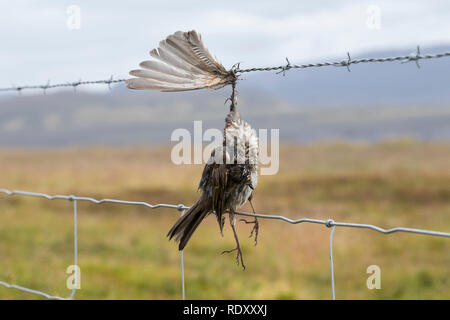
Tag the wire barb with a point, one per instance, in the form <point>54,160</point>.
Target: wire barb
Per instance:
<point>415,56</point>
<point>45,86</point>
<point>348,62</point>
<point>285,68</point>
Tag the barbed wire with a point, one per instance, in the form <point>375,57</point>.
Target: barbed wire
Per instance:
<point>329,223</point>
<point>74,84</point>
<point>413,57</point>
<point>416,56</point>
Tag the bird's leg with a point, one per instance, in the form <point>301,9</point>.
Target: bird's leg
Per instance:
<point>256,222</point>
<point>233,98</point>
<point>222,222</point>
<point>238,246</point>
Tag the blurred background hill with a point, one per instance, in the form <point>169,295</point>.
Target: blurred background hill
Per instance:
<point>372,102</point>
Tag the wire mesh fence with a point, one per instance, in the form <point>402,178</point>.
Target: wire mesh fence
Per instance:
<point>329,223</point>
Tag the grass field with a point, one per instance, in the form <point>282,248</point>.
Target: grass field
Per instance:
<point>124,253</point>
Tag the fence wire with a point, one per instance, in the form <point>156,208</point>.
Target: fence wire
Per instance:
<point>413,57</point>
<point>74,85</point>
<point>416,57</point>
<point>329,223</point>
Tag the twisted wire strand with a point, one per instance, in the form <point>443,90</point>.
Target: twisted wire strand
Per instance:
<point>75,84</point>
<point>347,62</point>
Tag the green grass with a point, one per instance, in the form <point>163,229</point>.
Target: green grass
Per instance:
<point>124,254</point>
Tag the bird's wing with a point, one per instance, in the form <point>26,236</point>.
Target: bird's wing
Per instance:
<point>218,182</point>
<point>182,62</point>
<point>213,184</point>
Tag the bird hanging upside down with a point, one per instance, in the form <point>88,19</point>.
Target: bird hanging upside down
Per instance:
<point>231,174</point>
<point>227,182</point>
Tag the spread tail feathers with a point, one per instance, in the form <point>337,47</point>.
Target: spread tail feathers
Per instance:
<point>183,229</point>
<point>182,62</point>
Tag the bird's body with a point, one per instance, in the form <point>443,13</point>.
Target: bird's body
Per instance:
<point>239,166</point>
<point>227,182</point>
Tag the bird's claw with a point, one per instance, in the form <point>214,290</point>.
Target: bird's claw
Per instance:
<point>255,229</point>
<point>238,255</point>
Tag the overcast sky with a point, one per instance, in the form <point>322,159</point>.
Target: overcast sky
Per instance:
<point>114,36</point>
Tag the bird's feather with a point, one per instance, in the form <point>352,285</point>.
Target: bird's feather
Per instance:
<point>182,63</point>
